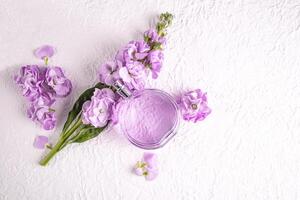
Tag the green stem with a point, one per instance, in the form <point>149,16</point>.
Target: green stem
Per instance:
<point>61,143</point>
<point>46,59</point>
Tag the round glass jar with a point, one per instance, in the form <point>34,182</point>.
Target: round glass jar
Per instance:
<point>149,118</point>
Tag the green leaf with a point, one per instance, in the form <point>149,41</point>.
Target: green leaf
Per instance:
<point>86,133</point>
<point>85,96</point>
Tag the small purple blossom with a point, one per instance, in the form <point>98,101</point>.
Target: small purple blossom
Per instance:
<point>98,110</point>
<point>44,115</point>
<point>147,167</point>
<point>109,73</point>
<point>55,78</point>
<point>133,75</point>
<point>133,51</point>
<point>130,62</point>
<point>40,85</point>
<point>44,99</point>
<point>152,36</point>
<point>30,79</point>
<point>151,174</point>
<point>45,51</point>
<point>40,142</point>
<point>155,59</point>
<point>193,105</point>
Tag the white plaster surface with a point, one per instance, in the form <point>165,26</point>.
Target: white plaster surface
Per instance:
<point>244,53</point>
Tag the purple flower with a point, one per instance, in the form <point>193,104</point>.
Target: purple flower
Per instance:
<point>147,167</point>
<point>133,75</point>
<point>150,174</point>
<point>40,85</point>
<point>130,62</point>
<point>44,115</point>
<point>155,59</point>
<point>98,110</point>
<point>45,51</point>
<point>40,142</point>
<point>193,106</point>
<point>44,99</point>
<point>152,36</point>
<point>30,79</point>
<point>115,111</point>
<point>56,79</point>
<point>133,51</point>
<point>109,73</point>
<point>150,159</point>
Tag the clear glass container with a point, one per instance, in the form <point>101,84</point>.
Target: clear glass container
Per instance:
<point>148,118</point>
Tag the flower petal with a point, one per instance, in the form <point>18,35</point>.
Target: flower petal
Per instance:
<point>138,171</point>
<point>40,142</point>
<point>150,159</point>
<point>123,72</point>
<point>151,174</point>
<point>44,51</point>
<point>98,110</point>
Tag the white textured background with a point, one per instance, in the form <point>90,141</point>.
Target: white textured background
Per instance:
<point>245,54</point>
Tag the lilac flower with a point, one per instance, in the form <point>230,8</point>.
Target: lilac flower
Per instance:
<point>155,59</point>
<point>133,51</point>
<point>40,86</point>
<point>40,142</point>
<point>44,115</point>
<point>139,168</point>
<point>133,75</point>
<point>150,174</point>
<point>45,51</point>
<point>193,106</point>
<point>56,79</point>
<point>44,99</point>
<point>98,111</point>
<point>30,79</point>
<point>130,61</point>
<point>152,36</point>
<point>109,73</point>
<point>147,166</point>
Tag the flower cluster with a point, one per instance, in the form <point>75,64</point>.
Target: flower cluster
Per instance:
<point>193,105</point>
<point>41,86</point>
<point>136,60</point>
<point>98,106</point>
<point>147,167</point>
<point>98,110</point>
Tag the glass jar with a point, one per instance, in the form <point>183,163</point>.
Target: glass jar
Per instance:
<point>148,118</point>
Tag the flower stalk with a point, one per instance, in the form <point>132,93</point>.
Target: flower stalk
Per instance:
<point>63,140</point>
<point>80,125</point>
<point>94,109</point>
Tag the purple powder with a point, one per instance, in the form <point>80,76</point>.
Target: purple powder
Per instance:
<point>148,117</point>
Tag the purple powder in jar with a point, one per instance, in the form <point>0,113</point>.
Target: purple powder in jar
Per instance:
<point>148,118</point>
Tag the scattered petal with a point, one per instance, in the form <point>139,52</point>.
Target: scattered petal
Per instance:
<point>150,174</point>
<point>138,170</point>
<point>147,167</point>
<point>150,159</point>
<point>40,142</point>
<point>44,51</point>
